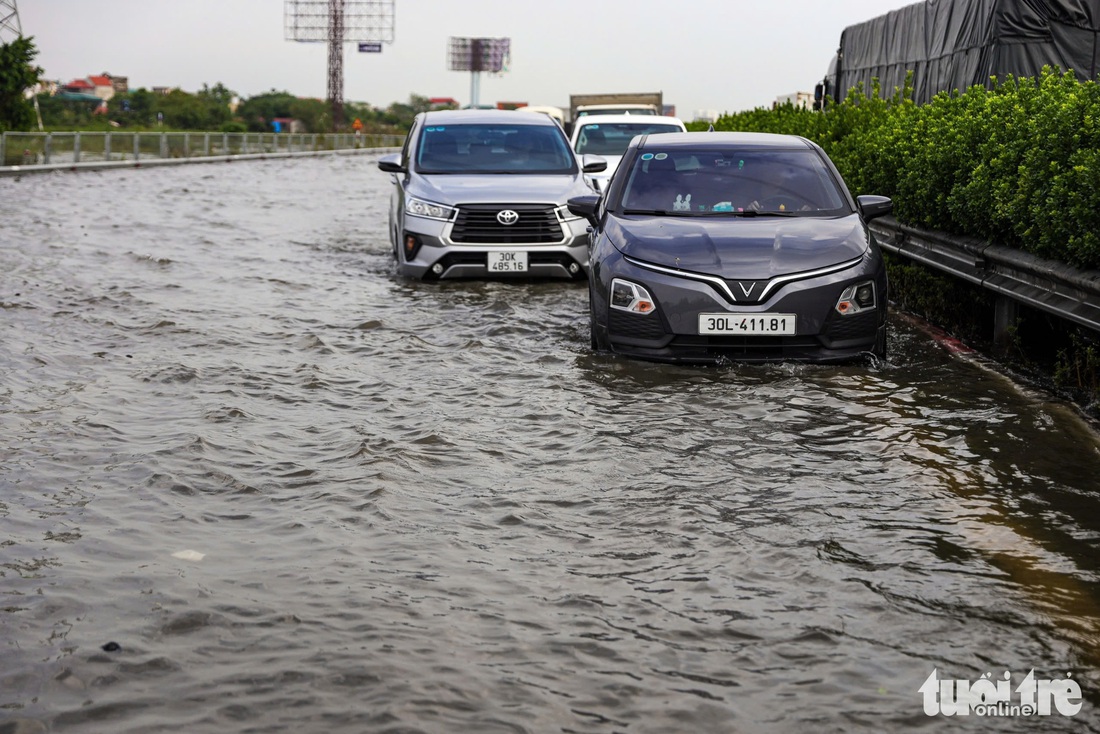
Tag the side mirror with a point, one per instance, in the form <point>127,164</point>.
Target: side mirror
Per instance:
<point>391,163</point>
<point>874,206</point>
<point>593,163</point>
<point>584,206</point>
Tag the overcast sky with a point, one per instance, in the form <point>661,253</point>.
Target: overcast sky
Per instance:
<point>724,55</point>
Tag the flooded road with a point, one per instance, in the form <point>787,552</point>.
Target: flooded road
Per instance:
<point>250,480</point>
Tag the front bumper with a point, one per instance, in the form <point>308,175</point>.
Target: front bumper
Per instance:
<point>438,256</point>
<point>671,334</point>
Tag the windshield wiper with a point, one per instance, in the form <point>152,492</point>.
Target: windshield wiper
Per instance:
<point>755,213</point>
<point>661,212</point>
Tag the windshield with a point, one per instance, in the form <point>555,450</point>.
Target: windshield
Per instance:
<point>741,182</point>
<point>613,138</point>
<point>494,148</point>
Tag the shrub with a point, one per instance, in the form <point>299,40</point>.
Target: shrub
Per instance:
<point>1017,164</point>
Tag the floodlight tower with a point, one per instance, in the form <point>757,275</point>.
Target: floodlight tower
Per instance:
<point>336,22</point>
<point>476,55</point>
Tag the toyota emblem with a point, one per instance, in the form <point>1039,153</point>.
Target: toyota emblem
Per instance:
<point>507,217</point>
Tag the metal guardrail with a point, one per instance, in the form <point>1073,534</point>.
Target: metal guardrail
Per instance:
<point>1047,285</point>
<point>41,152</point>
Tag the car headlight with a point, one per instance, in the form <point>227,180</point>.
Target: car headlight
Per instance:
<point>627,296</point>
<point>857,298</point>
<point>429,209</point>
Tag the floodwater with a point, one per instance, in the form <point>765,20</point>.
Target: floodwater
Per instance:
<point>253,481</point>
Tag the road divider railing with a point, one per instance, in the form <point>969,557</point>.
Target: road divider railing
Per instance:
<point>22,152</point>
<point>1017,277</point>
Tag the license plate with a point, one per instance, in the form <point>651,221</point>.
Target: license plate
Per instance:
<point>508,261</point>
<point>770,324</point>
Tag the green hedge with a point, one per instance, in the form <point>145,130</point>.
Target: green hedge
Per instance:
<point>1017,164</point>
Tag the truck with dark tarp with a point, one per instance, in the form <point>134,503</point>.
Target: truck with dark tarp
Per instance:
<point>955,44</point>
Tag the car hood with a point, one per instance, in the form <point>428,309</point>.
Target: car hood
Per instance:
<point>498,188</point>
<point>750,248</point>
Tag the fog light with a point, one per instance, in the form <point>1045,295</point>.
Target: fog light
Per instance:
<point>412,246</point>
<point>574,268</point>
<point>627,296</point>
<point>856,298</point>
<point>437,269</point>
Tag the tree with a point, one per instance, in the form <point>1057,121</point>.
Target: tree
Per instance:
<point>401,115</point>
<point>217,101</point>
<point>258,112</point>
<point>17,75</point>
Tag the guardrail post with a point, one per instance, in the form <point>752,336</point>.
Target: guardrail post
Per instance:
<point>107,146</point>
<point>137,145</point>
<point>3,148</point>
<point>1006,314</point>
<point>163,145</point>
<point>47,148</point>
<point>76,148</point>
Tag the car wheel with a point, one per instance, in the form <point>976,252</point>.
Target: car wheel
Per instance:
<point>596,340</point>
<point>880,344</point>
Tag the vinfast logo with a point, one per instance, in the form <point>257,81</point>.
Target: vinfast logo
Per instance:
<point>984,697</point>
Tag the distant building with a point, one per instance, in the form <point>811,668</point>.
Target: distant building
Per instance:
<point>120,83</point>
<point>802,100</point>
<point>705,116</point>
<point>287,125</point>
<point>79,86</point>
<point>101,86</point>
<point>443,103</point>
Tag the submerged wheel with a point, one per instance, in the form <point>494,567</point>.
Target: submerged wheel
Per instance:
<point>879,349</point>
<point>596,341</point>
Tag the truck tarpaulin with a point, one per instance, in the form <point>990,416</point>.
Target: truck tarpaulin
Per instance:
<point>955,44</point>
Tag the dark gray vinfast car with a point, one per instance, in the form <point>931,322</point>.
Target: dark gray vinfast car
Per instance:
<point>483,193</point>
<point>740,246</point>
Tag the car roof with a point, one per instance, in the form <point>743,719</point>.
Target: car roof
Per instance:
<point>636,119</point>
<point>481,117</point>
<point>712,140</point>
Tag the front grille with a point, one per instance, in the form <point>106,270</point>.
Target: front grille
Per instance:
<point>478,224</point>
<point>734,347</point>
<point>534,260</point>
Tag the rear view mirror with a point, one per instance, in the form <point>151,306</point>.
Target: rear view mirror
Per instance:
<point>391,163</point>
<point>874,206</point>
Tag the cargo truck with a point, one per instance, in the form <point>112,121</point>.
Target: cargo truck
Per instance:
<point>616,103</point>
<point>955,44</point>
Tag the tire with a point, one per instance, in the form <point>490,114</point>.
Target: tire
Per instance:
<point>880,344</point>
<point>596,340</point>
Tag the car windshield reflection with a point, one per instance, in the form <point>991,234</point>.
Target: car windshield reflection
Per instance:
<point>493,148</point>
<point>612,138</point>
<point>730,182</point>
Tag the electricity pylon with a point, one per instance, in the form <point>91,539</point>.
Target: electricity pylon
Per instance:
<point>10,30</point>
<point>9,21</point>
